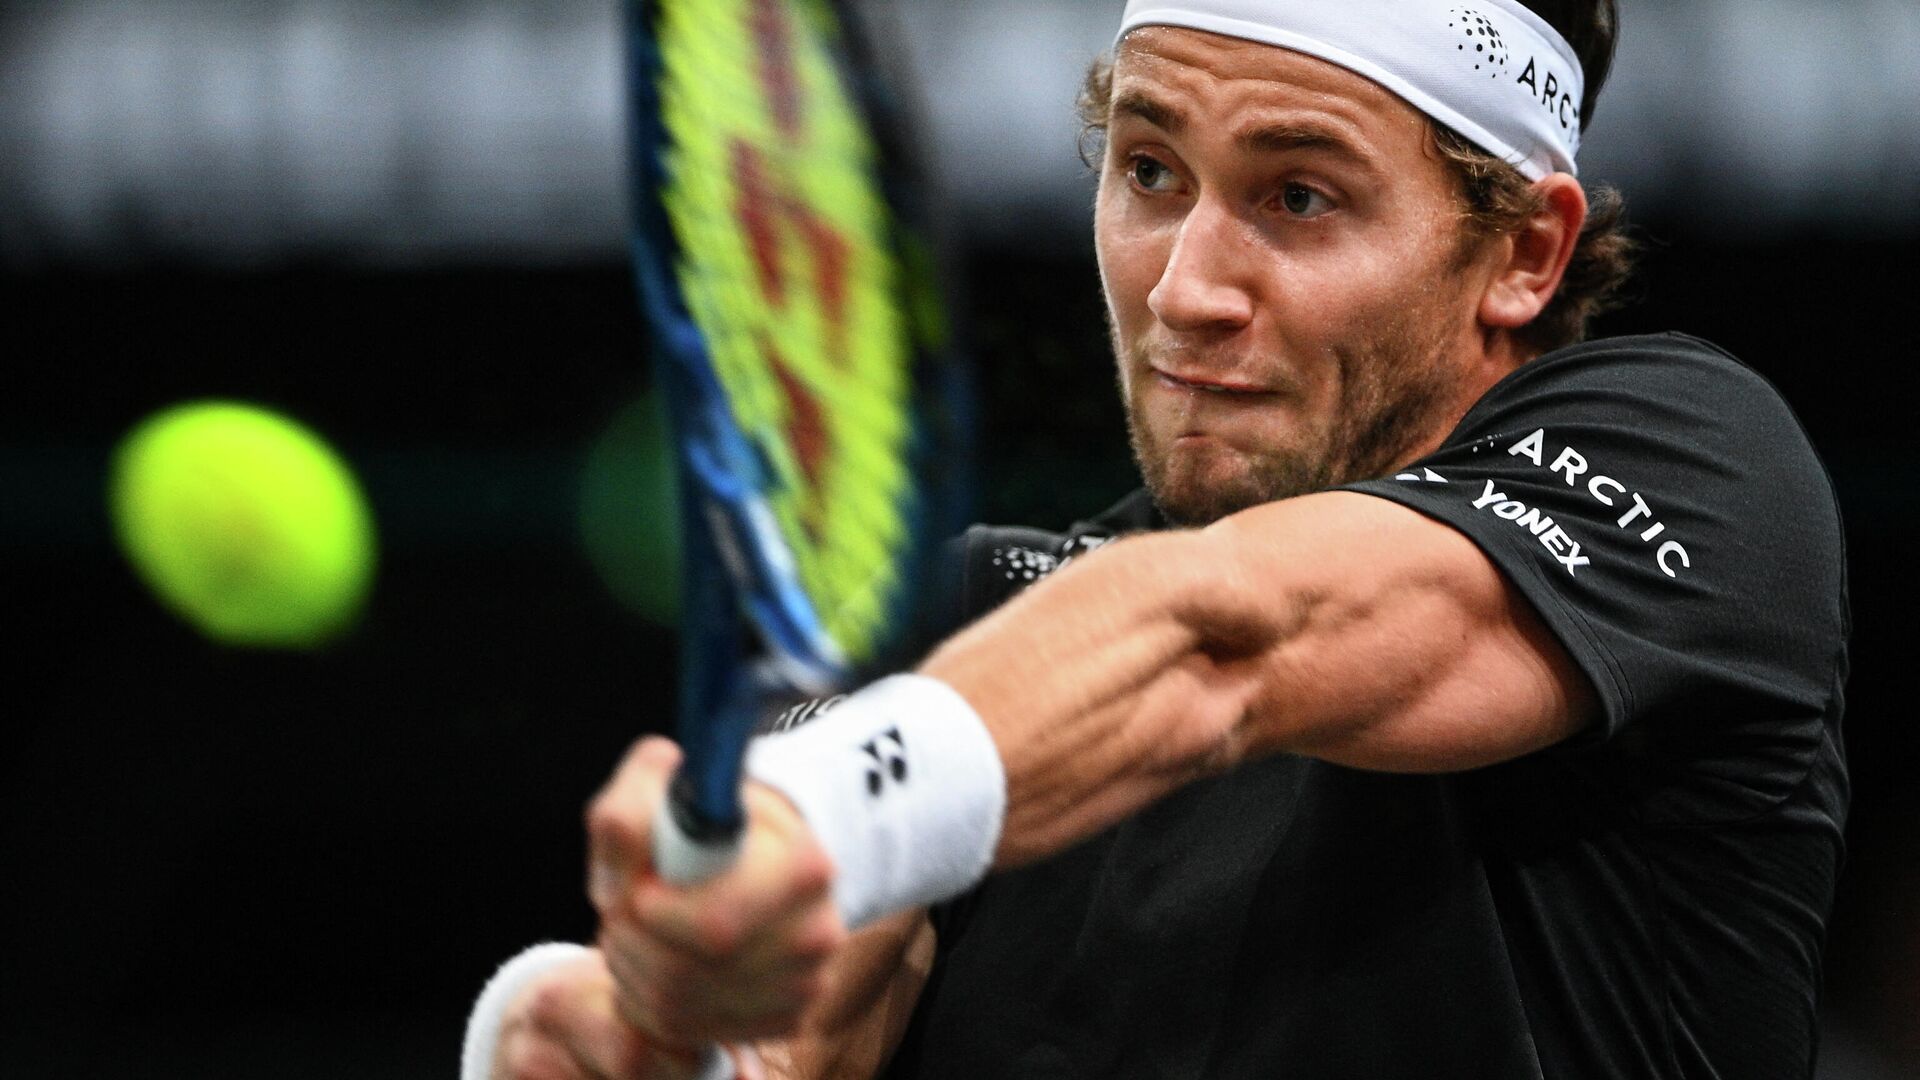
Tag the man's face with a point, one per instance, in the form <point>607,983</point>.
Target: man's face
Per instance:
<point>1281,252</point>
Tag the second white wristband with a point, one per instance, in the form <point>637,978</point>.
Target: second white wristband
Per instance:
<point>902,785</point>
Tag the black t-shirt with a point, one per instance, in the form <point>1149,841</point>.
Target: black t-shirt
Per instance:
<point>1645,900</point>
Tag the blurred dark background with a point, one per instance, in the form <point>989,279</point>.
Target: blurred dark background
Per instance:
<point>402,223</point>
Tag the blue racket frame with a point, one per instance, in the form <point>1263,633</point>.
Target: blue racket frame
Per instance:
<point>738,563</point>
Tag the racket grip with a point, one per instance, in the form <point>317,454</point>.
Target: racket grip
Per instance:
<point>716,1064</point>
<point>687,847</point>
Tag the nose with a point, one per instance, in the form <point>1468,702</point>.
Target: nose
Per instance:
<point>1201,287</point>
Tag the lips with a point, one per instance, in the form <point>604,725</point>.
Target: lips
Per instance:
<point>1208,384</point>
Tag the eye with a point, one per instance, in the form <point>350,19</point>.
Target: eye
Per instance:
<point>1149,174</point>
<point>1304,202</point>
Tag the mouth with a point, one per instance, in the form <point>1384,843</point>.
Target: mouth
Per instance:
<point>1202,384</point>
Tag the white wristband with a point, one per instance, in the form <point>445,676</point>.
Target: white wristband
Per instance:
<point>903,787</point>
<point>483,1025</point>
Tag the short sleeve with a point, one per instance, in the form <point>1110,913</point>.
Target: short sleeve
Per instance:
<point>1663,510</point>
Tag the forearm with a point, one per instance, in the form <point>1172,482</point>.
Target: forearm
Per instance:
<point>1337,625</point>
<point>1097,690</point>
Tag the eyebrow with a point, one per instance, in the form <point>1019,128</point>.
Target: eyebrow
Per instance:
<point>1159,114</point>
<point>1297,136</point>
<point>1268,138</point>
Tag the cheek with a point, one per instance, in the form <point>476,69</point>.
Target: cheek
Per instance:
<point>1348,294</point>
<point>1131,260</point>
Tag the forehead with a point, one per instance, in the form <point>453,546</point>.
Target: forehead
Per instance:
<point>1224,79</point>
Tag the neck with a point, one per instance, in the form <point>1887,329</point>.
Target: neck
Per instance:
<point>1493,355</point>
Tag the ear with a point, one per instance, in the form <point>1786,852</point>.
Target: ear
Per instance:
<point>1536,256</point>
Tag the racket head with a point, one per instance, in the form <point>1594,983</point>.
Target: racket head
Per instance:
<point>788,276</point>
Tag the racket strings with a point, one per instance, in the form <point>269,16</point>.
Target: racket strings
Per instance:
<point>789,268</point>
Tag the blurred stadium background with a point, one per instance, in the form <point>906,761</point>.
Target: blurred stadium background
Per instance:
<point>403,222</point>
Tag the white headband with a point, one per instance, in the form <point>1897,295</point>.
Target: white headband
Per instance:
<point>1489,69</point>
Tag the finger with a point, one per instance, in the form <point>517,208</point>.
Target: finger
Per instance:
<point>605,1047</point>
<point>681,999</point>
<point>563,1007</point>
<point>797,942</point>
<point>577,1019</point>
<point>722,925</point>
<point>724,1020</point>
<point>653,971</point>
<point>620,823</point>
<point>624,1054</point>
<point>524,1054</point>
<point>781,871</point>
<point>646,982</point>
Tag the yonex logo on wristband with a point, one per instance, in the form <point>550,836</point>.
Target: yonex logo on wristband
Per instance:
<point>889,760</point>
<point>900,834</point>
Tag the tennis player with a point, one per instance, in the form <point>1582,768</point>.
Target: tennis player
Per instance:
<point>1459,699</point>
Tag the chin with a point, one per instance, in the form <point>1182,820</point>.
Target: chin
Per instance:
<point>1196,486</point>
<point>1193,493</point>
<point>1190,507</point>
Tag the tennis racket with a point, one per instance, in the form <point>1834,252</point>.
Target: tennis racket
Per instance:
<point>784,267</point>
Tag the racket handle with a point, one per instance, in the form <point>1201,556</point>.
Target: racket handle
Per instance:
<point>716,1064</point>
<point>688,847</point>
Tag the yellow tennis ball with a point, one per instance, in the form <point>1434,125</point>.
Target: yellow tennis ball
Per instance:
<point>245,523</point>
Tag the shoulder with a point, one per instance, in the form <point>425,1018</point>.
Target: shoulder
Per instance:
<point>1664,376</point>
<point>1652,353</point>
<point>1666,407</point>
<point>1662,507</point>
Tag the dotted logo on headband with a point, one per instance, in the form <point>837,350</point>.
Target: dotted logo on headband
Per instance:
<point>1481,41</point>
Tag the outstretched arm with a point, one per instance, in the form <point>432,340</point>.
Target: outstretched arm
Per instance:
<point>1339,626</point>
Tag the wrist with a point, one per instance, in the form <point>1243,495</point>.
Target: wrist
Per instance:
<point>903,787</point>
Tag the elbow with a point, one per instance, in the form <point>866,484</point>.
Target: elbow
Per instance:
<point>1241,598</point>
<point>1251,629</point>
<point>1344,628</point>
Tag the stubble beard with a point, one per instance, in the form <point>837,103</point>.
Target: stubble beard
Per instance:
<point>1393,391</point>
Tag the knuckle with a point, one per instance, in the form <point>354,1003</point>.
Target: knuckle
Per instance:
<point>527,1057</point>
<point>657,749</point>
<point>607,891</point>
<point>716,933</point>
<point>811,950</point>
<point>820,937</point>
<point>812,870</point>
<point>549,1007</point>
<point>609,822</point>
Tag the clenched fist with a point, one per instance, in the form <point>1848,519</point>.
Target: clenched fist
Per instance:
<point>742,956</point>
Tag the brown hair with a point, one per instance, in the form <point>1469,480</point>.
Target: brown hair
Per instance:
<point>1496,199</point>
